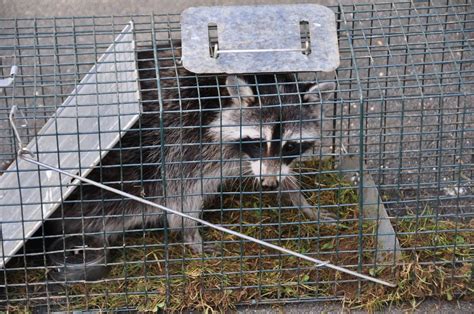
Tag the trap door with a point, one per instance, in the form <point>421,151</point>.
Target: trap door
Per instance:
<point>102,107</point>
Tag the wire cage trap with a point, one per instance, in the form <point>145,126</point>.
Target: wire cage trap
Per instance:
<point>391,164</point>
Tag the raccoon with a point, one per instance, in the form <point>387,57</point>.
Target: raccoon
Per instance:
<point>196,132</point>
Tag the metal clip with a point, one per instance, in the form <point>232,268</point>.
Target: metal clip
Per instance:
<point>22,150</point>
<point>9,80</point>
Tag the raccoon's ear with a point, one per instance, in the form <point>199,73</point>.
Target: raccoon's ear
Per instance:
<point>239,90</point>
<point>319,92</point>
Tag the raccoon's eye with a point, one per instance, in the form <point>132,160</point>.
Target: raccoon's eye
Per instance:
<point>295,148</point>
<point>291,148</point>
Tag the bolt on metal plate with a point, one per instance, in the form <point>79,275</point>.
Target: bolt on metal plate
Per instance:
<point>259,39</point>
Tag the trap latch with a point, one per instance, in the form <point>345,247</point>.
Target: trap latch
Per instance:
<point>7,81</point>
<point>259,39</point>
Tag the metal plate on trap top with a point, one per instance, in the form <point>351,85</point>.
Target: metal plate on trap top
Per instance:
<point>259,39</point>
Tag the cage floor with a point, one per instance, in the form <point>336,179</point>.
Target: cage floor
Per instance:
<point>145,275</point>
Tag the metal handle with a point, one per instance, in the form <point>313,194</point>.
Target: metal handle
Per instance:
<point>216,51</point>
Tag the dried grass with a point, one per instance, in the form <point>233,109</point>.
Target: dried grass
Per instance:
<point>242,271</point>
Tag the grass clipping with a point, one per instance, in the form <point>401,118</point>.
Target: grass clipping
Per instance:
<point>437,259</point>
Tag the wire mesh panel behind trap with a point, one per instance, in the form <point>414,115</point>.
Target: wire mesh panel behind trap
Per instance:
<point>403,106</point>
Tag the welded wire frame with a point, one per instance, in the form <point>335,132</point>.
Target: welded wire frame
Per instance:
<point>403,104</point>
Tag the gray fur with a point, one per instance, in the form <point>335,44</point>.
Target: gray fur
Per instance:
<point>183,165</point>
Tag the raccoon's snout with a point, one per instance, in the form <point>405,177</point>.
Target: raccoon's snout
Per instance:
<point>270,182</point>
<point>269,174</point>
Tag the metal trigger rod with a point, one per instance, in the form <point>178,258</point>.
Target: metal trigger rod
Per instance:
<point>23,152</point>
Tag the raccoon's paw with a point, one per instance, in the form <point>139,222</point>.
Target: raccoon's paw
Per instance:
<point>327,215</point>
<point>321,214</point>
<point>211,248</point>
<point>193,240</point>
<point>199,249</point>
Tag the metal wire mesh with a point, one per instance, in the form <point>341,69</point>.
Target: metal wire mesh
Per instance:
<point>402,107</point>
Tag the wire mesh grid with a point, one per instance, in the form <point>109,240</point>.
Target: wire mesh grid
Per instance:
<point>402,107</point>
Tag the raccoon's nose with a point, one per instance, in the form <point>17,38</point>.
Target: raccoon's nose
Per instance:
<point>270,182</point>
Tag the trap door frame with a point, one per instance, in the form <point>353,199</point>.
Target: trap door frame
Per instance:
<point>98,112</point>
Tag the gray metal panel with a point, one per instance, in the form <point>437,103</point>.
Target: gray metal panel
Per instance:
<point>92,119</point>
<point>256,28</point>
<point>388,245</point>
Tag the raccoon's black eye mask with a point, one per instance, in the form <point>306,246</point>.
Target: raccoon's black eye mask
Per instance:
<point>295,148</point>
<point>253,147</point>
<point>291,150</point>
<point>256,148</point>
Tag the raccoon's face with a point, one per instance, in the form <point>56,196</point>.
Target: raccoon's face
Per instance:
<point>273,125</point>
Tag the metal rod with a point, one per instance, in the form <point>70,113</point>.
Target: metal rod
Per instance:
<point>217,51</point>
<point>22,152</point>
<point>257,50</point>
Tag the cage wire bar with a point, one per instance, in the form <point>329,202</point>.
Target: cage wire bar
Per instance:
<point>403,106</point>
